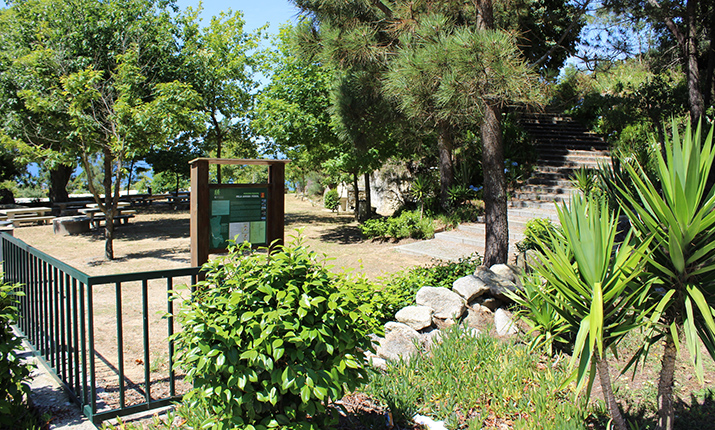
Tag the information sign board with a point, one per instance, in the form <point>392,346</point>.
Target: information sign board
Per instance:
<point>238,214</point>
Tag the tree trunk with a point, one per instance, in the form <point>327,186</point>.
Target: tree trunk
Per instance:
<point>59,177</point>
<point>619,422</point>
<point>496,224</point>
<point>357,197</point>
<point>108,207</point>
<point>219,142</point>
<point>695,95</point>
<point>666,407</point>
<point>368,199</point>
<point>446,165</point>
<point>709,85</point>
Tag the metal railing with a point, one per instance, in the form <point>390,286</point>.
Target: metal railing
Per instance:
<point>99,333</point>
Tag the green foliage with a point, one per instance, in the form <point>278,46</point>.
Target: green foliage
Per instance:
<point>476,381</point>
<point>407,224</point>
<point>269,341</point>
<point>331,200</point>
<point>549,330</point>
<point>166,182</point>
<point>14,373</point>
<point>537,234</point>
<point>679,215</point>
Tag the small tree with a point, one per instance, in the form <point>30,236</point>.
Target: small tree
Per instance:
<point>678,213</point>
<point>592,288</point>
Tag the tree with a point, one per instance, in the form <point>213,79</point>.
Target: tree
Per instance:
<point>217,62</point>
<point>174,161</point>
<point>112,81</point>
<point>292,111</point>
<point>376,33</point>
<point>689,27</point>
<point>36,130</point>
<point>679,216</point>
<point>591,282</point>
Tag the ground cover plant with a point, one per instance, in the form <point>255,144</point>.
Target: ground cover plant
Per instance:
<point>478,381</point>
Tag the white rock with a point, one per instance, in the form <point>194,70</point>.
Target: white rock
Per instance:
<point>445,303</point>
<point>507,272</point>
<point>503,323</point>
<point>498,286</point>
<point>417,317</point>
<point>429,422</point>
<point>470,287</point>
<point>400,341</point>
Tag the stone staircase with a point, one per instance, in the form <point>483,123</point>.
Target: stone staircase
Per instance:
<point>563,146</point>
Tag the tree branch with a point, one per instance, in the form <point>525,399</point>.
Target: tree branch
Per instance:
<point>569,29</point>
<point>670,24</point>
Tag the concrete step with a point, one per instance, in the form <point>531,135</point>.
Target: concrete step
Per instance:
<point>515,204</point>
<point>547,189</point>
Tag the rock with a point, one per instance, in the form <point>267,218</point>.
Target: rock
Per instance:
<point>479,317</point>
<point>445,303</point>
<point>431,338</point>
<point>375,361</point>
<point>491,303</point>
<point>443,323</point>
<point>417,317</point>
<point>470,287</point>
<point>429,423</point>
<point>400,342</point>
<point>507,272</point>
<point>498,286</point>
<point>503,323</point>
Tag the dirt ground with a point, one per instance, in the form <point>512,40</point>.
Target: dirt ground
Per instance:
<point>158,238</point>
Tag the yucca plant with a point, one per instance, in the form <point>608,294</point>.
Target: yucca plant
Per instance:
<point>678,214</point>
<point>590,281</point>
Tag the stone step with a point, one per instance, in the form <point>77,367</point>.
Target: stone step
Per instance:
<point>518,204</point>
<point>550,181</point>
<point>544,197</point>
<point>547,189</point>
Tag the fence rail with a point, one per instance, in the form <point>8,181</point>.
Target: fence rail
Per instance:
<point>99,333</point>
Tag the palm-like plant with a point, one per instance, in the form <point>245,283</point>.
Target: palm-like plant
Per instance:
<point>590,281</point>
<point>679,216</point>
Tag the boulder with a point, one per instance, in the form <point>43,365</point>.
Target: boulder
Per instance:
<point>445,303</point>
<point>400,341</point>
<point>479,317</point>
<point>507,272</point>
<point>443,323</point>
<point>417,317</point>
<point>503,323</point>
<point>470,287</point>
<point>489,302</point>
<point>498,286</point>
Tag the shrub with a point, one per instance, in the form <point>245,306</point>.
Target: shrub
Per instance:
<point>538,234</point>
<point>331,199</point>
<point>13,371</point>
<point>269,341</point>
<point>407,224</point>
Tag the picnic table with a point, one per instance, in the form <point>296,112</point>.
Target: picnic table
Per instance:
<point>71,207</point>
<point>19,216</point>
<point>96,216</point>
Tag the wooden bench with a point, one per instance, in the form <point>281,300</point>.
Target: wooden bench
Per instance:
<point>123,219</point>
<point>31,219</point>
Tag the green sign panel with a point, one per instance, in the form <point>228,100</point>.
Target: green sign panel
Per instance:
<point>238,214</point>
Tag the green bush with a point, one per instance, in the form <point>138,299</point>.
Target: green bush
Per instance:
<point>269,341</point>
<point>407,224</point>
<point>537,234</point>
<point>13,371</point>
<point>331,199</point>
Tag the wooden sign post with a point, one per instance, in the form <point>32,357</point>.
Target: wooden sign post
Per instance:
<point>241,212</point>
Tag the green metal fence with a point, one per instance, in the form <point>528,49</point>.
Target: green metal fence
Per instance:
<point>107,338</point>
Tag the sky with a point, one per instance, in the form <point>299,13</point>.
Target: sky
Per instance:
<point>256,13</point>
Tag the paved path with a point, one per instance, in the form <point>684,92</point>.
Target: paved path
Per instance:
<point>49,397</point>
